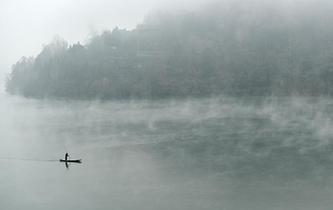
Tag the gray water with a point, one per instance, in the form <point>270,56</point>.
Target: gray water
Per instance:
<point>216,154</point>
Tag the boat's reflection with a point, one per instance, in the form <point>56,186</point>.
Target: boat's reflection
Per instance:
<point>69,162</point>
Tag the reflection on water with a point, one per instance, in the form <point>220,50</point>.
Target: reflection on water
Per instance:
<point>223,153</point>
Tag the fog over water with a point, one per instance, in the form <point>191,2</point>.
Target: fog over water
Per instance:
<point>166,114</point>
<point>221,153</point>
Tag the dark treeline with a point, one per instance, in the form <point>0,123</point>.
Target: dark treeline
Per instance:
<point>234,48</point>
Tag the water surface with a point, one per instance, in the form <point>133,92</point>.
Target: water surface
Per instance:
<point>221,153</point>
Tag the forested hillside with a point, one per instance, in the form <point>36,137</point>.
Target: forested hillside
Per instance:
<point>236,48</point>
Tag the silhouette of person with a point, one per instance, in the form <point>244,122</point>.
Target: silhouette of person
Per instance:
<point>66,156</point>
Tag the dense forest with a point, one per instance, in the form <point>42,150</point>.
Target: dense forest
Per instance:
<point>237,48</point>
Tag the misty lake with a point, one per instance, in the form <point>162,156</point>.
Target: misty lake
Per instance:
<point>221,153</point>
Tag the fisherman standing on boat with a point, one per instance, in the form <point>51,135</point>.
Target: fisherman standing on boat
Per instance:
<point>66,156</point>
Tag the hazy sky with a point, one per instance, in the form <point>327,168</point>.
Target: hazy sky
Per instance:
<point>28,24</point>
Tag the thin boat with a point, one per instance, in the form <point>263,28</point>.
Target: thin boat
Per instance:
<point>71,161</point>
